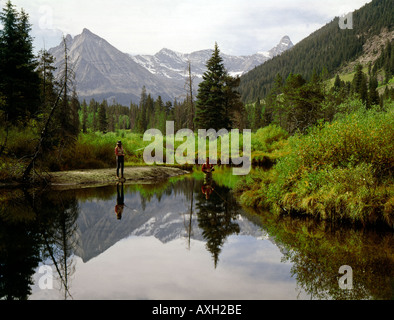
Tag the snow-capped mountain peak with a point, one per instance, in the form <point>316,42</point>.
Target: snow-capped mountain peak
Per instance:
<point>172,64</point>
<point>104,72</point>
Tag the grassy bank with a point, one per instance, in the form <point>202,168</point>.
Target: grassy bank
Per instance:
<point>341,170</point>
<point>93,150</point>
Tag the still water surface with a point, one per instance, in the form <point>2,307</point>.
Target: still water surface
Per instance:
<point>182,239</point>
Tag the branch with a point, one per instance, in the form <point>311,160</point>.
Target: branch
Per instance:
<point>42,137</point>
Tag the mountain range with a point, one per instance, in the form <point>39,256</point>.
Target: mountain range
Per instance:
<point>173,64</point>
<point>104,72</point>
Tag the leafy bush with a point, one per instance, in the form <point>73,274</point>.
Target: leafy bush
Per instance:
<point>268,145</point>
<point>268,138</point>
<point>339,170</point>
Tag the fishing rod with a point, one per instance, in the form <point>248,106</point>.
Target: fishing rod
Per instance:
<point>135,150</point>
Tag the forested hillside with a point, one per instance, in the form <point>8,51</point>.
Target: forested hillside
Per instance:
<point>327,49</point>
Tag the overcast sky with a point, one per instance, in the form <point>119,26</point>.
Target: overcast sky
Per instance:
<point>240,27</point>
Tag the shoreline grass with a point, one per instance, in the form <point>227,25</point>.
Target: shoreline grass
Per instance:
<point>340,171</point>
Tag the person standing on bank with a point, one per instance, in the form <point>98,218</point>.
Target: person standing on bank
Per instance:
<point>120,153</point>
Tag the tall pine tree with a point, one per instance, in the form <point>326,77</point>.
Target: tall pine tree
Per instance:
<point>19,82</point>
<point>211,100</point>
<point>48,85</point>
<point>102,117</point>
<point>360,83</point>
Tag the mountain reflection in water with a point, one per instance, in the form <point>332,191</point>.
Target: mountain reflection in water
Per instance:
<point>186,238</point>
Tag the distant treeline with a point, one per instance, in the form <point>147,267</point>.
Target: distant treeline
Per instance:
<point>149,113</point>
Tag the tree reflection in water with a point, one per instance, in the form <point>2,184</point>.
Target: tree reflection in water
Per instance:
<point>19,247</point>
<point>216,214</point>
<point>317,250</point>
<point>35,227</point>
<point>40,227</point>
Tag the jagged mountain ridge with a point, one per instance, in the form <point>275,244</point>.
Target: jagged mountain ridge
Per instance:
<point>104,72</point>
<point>172,64</point>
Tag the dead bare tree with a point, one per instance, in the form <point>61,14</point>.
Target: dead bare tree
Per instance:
<point>190,99</point>
<point>66,82</point>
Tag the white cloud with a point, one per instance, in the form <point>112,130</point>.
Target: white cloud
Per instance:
<point>146,26</point>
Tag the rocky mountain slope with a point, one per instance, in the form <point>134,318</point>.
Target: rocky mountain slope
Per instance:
<point>104,72</point>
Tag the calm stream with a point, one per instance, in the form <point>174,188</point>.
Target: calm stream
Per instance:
<point>186,238</point>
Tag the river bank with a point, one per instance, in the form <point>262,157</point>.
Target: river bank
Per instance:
<point>98,177</point>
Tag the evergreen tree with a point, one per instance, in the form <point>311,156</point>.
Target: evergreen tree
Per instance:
<point>48,85</point>
<point>278,85</point>
<point>360,83</point>
<point>268,112</point>
<point>373,95</point>
<point>93,106</point>
<point>74,113</point>
<point>19,81</point>
<point>257,121</point>
<point>111,120</point>
<point>141,122</point>
<point>102,117</point>
<point>234,109</point>
<point>218,102</point>
<point>210,105</point>
<point>84,116</point>
<point>133,116</point>
<point>168,108</point>
<point>149,112</point>
<point>302,102</point>
<point>337,83</point>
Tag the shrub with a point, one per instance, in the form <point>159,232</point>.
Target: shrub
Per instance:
<point>339,170</point>
<point>268,138</point>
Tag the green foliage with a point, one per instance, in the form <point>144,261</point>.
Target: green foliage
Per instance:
<point>295,105</point>
<point>96,150</point>
<point>340,170</point>
<point>268,145</point>
<point>20,145</point>
<point>268,138</point>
